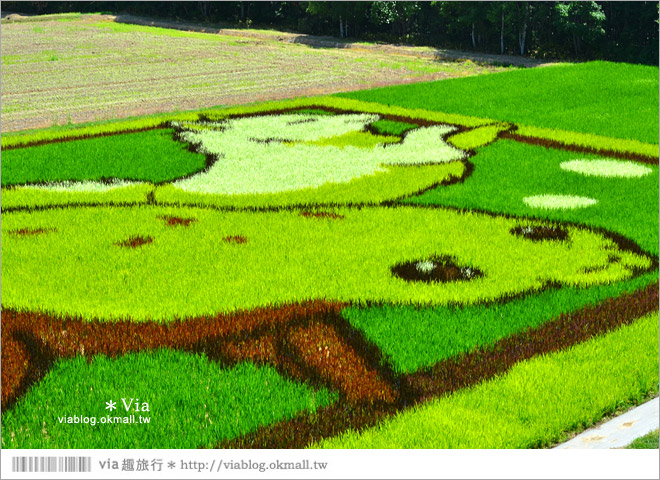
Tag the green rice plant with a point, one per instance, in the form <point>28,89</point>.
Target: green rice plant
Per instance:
<point>81,263</point>
<point>74,132</point>
<point>356,139</point>
<point>507,172</point>
<point>152,156</point>
<point>438,333</point>
<point>35,196</point>
<point>392,127</point>
<point>192,402</point>
<point>602,98</point>
<point>390,183</point>
<point>597,142</point>
<point>477,137</point>
<point>535,404</point>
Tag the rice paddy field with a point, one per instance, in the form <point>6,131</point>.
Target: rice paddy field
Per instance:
<point>466,263</point>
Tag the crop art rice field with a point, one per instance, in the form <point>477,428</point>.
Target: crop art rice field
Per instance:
<point>335,272</point>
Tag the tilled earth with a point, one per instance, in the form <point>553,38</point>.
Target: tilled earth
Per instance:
<point>80,70</point>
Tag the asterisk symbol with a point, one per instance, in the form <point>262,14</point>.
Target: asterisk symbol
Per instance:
<point>110,405</point>
<point>171,464</point>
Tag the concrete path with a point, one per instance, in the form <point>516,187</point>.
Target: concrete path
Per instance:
<point>621,431</point>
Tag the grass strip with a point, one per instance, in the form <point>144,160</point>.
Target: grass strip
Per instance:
<point>596,142</point>
<point>477,137</point>
<point>601,98</point>
<point>31,198</point>
<point>152,156</point>
<point>70,132</point>
<point>11,140</point>
<point>648,441</point>
<point>116,27</point>
<point>207,402</point>
<point>527,407</point>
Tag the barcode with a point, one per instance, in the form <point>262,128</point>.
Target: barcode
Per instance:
<point>51,464</point>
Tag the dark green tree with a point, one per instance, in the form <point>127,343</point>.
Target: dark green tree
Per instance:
<point>583,21</point>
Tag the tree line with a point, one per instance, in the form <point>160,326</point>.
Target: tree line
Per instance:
<point>618,31</point>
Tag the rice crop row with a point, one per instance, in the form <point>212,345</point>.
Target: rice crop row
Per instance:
<point>648,441</point>
<point>595,142</point>
<point>527,407</point>
<point>13,140</point>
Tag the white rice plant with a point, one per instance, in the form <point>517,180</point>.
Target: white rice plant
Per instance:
<point>606,168</point>
<point>559,202</point>
<point>274,153</point>
<point>426,266</point>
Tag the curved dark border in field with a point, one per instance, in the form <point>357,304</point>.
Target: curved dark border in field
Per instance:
<point>555,144</point>
<point>287,337</point>
<point>457,373</point>
<point>369,390</point>
<point>210,159</point>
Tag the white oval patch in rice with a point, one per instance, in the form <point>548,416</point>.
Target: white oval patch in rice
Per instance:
<point>606,168</point>
<point>558,202</point>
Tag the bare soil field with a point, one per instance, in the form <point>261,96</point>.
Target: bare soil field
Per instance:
<point>88,68</point>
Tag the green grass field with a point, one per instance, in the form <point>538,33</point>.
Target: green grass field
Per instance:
<point>649,441</point>
<point>602,98</point>
<point>423,266</point>
<point>219,403</point>
<point>526,407</point>
<point>147,156</point>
